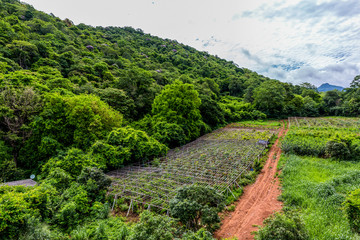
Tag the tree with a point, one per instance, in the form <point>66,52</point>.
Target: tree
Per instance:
<point>153,227</point>
<point>332,98</point>
<point>197,206</point>
<point>269,98</point>
<point>24,52</point>
<point>308,86</point>
<point>72,162</point>
<point>141,87</point>
<point>141,146</point>
<point>18,106</point>
<point>95,183</point>
<point>356,82</point>
<point>179,103</point>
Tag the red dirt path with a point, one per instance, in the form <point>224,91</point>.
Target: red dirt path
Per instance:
<point>258,202</point>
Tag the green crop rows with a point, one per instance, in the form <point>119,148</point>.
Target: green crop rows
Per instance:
<point>308,136</point>
<point>218,160</point>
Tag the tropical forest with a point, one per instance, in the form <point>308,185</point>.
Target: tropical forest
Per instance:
<point>110,133</point>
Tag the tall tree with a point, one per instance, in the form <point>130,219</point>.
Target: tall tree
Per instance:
<point>18,106</point>
<point>179,103</point>
<point>269,97</point>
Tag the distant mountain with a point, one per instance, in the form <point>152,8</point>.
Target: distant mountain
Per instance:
<point>328,87</point>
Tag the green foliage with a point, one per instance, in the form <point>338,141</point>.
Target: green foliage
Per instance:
<point>72,162</point>
<point>95,183</point>
<point>18,106</point>
<point>179,103</point>
<point>317,188</point>
<point>80,120</point>
<point>201,234</point>
<point>197,206</point>
<point>73,208</point>
<point>111,228</point>
<point>170,134</point>
<point>14,211</point>
<point>153,227</point>
<point>337,138</point>
<point>269,97</point>
<point>109,156</point>
<point>337,149</point>
<point>282,227</point>
<point>139,144</point>
<point>352,209</point>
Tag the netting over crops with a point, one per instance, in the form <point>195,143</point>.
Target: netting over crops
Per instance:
<point>218,160</point>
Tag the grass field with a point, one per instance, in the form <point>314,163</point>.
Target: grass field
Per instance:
<point>317,187</point>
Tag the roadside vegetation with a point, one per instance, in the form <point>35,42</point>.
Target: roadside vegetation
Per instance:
<point>322,189</point>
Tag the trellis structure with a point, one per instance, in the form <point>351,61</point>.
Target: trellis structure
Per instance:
<point>218,160</point>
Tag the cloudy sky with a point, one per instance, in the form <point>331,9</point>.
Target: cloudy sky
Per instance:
<point>296,41</point>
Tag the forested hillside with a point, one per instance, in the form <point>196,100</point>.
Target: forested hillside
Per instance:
<point>77,101</point>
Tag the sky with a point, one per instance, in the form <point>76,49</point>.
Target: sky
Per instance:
<point>315,41</point>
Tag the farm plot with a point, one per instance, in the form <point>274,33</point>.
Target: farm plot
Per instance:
<point>218,160</point>
<point>309,136</point>
<point>325,122</point>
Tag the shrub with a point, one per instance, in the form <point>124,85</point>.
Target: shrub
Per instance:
<point>141,146</point>
<point>95,182</point>
<point>337,149</point>
<point>197,206</point>
<point>282,227</point>
<point>153,227</point>
<point>71,161</point>
<point>352,209</point>
<point>14,211</point>
<point>170,134</point>
<point>201,234</point>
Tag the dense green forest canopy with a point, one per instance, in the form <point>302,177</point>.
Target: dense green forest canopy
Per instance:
<point>77,100</point>
<point>66,86</point>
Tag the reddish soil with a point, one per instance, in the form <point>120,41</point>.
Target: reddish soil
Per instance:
<point>258,202</point>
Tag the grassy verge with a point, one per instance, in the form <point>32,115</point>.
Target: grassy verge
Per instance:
<point>317,188</point>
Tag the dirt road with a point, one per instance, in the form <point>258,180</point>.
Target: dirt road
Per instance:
<point>258,201</point>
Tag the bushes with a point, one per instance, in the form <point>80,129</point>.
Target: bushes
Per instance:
<point>303,145</point>
<point>337,149</point>
<point>140,145</point>
<point>170,134</point>
<point>352,209</point>
<point>282,227</point>
<point>13,212</point>
<point>197,206</point>
<point>153,227</point>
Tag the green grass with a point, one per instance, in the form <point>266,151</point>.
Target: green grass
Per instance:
<point>267,124</point>
<point>317,188</point>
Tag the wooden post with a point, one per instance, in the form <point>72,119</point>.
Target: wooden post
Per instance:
<point>129,208</point>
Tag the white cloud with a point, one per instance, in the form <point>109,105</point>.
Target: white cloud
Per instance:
<point>290,40</point>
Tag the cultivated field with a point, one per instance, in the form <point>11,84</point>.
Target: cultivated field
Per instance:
<point>319,171</point>
<point>218,159</point>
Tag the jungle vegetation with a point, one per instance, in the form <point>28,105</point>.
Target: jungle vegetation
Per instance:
<point>77,101</point>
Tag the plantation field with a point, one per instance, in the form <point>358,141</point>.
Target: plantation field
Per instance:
<point>259,124</point>
<point>218,159</point>
<point>309,136</point>
<point>317,185</point>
